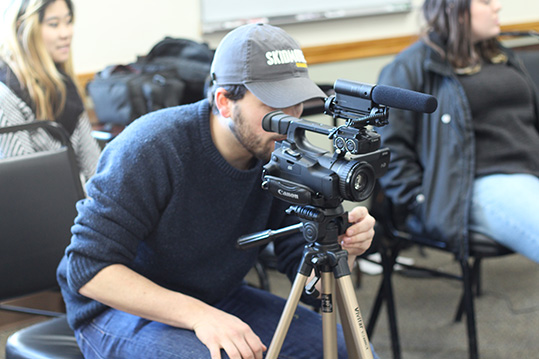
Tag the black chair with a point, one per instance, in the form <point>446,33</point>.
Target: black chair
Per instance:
<point>390,239</point>
<point>267,260</point>
<point>530,59</point>
<point>37,209</point>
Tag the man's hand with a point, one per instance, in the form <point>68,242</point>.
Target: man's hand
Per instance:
<point>219,330</point>
<point>358,236</point>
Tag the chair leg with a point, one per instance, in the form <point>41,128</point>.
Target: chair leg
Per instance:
<point>460,309</point>
<point>389,257</point>
<point>375,311</point>
<point>476,272</point>
<point>468,303</point>
<point>262,276</point>
<point>391,311</point>
<point>476,281</point>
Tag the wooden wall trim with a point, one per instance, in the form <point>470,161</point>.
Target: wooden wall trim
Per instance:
<point>83,80</point>
<point>358,49</point>
<point>380,47</point>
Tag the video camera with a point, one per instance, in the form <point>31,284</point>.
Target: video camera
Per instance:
<point>303,174</point>
<point>317,181</point>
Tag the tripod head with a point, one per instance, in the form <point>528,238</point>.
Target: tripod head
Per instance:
<point>318,225</point>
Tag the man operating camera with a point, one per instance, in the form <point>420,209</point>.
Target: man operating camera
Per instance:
<point>152,270</point>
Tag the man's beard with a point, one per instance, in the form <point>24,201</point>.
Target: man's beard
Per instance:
<point>247,139</point>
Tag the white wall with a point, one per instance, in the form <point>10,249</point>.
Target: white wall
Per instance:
<point>110,32</point>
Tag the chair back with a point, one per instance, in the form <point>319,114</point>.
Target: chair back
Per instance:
<point>38,193</point>
<point>530,59</point>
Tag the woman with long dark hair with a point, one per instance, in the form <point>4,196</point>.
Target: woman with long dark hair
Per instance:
<point>37,80</point>
<point>473,164</point>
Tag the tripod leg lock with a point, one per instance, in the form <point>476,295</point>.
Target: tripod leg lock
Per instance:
<point>310,288</point>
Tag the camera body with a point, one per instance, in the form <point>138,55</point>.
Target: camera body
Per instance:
<point>303,174</point>
<point>319,180</point>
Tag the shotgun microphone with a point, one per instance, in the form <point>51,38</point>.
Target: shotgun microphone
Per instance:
<point>404,99</point>
<point>385,95</point>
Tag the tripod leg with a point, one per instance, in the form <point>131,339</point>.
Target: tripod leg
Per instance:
<point>286,317</point>
<point>350,347</point>
<point>329,319</point>
<point>354,320</point>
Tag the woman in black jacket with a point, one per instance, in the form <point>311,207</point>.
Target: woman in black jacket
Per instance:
<point>473,164</point>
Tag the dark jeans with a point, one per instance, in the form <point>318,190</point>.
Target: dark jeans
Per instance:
<point>115,334</point>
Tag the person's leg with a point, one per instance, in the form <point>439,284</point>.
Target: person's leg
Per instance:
<point>506,208</point>
<point>117,335</point>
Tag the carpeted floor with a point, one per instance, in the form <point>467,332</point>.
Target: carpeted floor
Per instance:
<point>507,313</point>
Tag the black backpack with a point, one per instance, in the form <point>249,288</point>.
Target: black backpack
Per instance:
<point>191,60</point>
<point>174,72</point>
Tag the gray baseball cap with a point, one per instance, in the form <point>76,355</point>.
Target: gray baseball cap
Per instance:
<point>268,61</point>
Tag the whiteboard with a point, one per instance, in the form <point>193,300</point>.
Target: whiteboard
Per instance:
<point>223,15</point>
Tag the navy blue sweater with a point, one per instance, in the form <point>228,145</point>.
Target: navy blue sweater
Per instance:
<point>165,203</point>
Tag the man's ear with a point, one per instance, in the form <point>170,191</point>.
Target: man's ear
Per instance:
<point>223,104</point>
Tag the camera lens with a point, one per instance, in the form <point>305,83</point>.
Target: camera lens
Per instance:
<point>356,180</point>
<point>360,183</point>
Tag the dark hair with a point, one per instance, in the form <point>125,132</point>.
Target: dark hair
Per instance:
<point>233,92</point>
<point>43,6</point>
<point>451,21</point>
<point>46,3</point>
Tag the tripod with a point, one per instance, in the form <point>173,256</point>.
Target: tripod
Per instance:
<point>324,255</point>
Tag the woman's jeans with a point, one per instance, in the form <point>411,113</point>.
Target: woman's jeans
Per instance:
<point>506,208</point>
<point>115,334</point>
